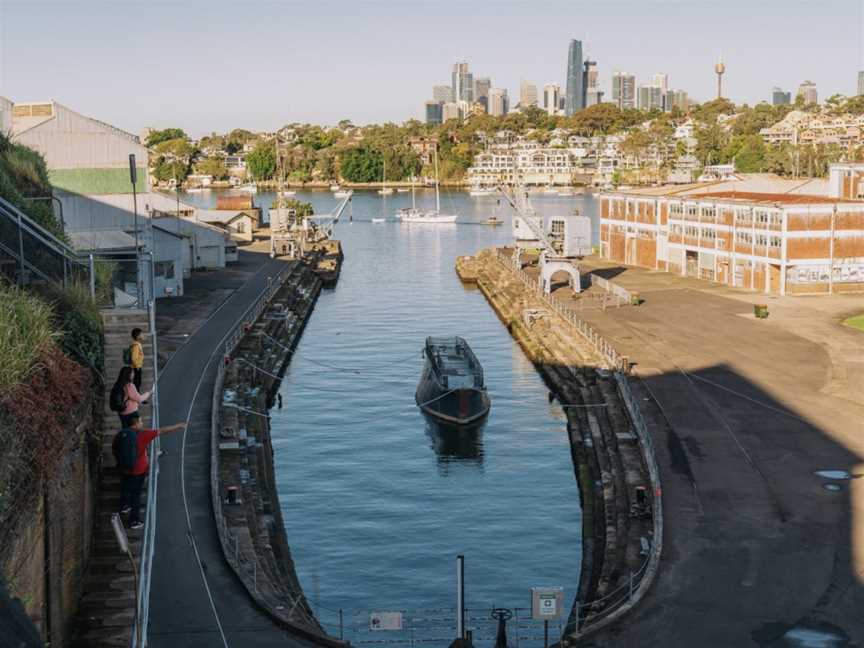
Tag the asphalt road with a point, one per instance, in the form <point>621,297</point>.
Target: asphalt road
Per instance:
<point>196,600</point>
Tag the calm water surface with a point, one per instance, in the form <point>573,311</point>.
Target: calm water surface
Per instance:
<point>376,502</point>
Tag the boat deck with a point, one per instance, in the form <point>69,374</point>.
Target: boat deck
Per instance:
<point>455,365</point>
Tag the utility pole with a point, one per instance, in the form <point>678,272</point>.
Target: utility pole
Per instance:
<point>133,177</point>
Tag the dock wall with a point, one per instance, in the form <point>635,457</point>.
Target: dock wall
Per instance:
<point>251,530</point>
<point>612,454</point>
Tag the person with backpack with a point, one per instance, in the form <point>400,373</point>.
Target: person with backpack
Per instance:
<point>125,397</point>
<point>133,463</point>
<point>133,356</point>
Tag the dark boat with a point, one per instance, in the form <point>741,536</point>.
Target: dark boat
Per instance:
<point>451,388</point>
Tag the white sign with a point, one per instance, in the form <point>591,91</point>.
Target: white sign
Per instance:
<point>385,621</point>
<point>546,603</point>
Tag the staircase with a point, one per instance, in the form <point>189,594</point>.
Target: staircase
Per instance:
<point>107,611</point>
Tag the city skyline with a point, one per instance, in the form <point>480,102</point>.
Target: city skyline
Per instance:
<point>207,52</point>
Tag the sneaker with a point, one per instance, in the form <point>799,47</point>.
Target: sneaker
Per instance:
<point>125,510</point>
<point>162,453</point>
<point>136,525</point>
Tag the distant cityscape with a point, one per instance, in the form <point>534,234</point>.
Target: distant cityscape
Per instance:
<point>466,95</point>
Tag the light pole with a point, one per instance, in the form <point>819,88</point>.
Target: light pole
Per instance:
<point>133,178</point>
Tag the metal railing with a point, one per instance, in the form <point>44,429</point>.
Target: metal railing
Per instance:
<point>610,355</point>
<point>148,540</point>
<point>29,252</point>
<point>620,293</point>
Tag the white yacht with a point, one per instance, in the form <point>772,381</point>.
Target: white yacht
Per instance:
<point>414,215</point>
<point>248,188</point>
<point>384,190</point>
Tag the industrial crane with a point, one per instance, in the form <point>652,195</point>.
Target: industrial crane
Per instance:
<point>292,237</point>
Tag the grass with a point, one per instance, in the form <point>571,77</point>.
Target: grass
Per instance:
<point>26,332</point>
<point>856,322</point>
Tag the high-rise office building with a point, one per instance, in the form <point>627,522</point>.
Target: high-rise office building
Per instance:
<point>462,83</point>
<point>551,95</point>
<point>780,98</point>
<point>434,112</point>
<point>590,84</point>
<point>624,90</point>
<point>499,103</point>
<point>808,91</point>
<point>661,80</point>
<point>442,93</point>
<point>678,99</point>
<point>527,94</point>
<point>450,110</point>
<point>481,91</point>
<point>650,97</point>
<point>574,99</point>
<point>861,83</point>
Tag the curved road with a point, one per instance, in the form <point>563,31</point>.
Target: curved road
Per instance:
<point>200,602</point>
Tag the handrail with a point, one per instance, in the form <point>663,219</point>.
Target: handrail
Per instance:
<point>35,228</point>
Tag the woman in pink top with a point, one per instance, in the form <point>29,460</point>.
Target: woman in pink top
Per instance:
<point>133,398</point>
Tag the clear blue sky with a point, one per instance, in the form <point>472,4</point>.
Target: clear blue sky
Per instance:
<point>215,65</point>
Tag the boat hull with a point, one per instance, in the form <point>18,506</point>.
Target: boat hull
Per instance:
<point>461,406</point>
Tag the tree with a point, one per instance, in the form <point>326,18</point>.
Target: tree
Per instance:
<point>158,136</point>
<point>24,174</point>
<point>235,140</point>
<point>709,111</point>
<point>361,164</point>
<point>710,139</point>
<point>178,149</point>
<point>636,144</point>
<point>261,162</point>
<point>213,167</point>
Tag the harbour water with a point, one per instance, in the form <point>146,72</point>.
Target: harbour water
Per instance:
<point>377,502</point>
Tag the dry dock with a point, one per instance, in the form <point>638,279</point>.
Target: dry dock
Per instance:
<point>611,452</point>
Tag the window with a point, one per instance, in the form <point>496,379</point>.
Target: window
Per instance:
<point>743,237</point>
<point>761,217</point>
<point>709,211</point>
<point>691,231</point>
<point>692,210</point>
<point>709,233</point>
<point>742,215</point>
<point>675,209</point>
<point>775,242</point>
<point>164,269</point>
<point>761,239</point>
<point>777,219</point>
<point>721,244</point>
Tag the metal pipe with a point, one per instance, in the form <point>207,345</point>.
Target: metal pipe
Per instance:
<point>460,597</point>
<point>92,278</point>
<point>133,177</point>
<point>21,250</point>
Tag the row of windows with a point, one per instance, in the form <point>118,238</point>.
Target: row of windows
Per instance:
<point>762,240</point>
<point>742,214</point>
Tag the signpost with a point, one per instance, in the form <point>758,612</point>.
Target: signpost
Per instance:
<point>546,604</point>
<point>385,621</point>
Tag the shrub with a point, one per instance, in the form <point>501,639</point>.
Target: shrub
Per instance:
<point>26,334</point>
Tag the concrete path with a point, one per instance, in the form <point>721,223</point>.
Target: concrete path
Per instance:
<point>195,599</point>
<point>757,551</point>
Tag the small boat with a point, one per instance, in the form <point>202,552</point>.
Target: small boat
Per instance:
<point>378,220</point>
<point>335,187</point>
<point>451,387</point>
<point>287,194</point>
<point>385,191</point>
<point>566,191</point>
<point>402,190</point>
<point>411,215</point>
<point>493,220</point>
<point>248,188</point>
<point>193,190</point>
<point>479,192</point>
<point>342,193</point>
<point>550,190</point>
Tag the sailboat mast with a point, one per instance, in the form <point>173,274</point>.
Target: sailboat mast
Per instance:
<point>413,204</point>
<point>437,196</point>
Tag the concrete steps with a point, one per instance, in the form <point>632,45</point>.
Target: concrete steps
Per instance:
<point>108,605</point>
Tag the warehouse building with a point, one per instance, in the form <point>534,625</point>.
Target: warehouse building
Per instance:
<point>758,232</point>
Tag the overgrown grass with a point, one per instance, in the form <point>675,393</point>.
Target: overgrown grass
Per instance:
<point>24,174</point>
<point>856,322</point>
<point>77,316</point>
<point>26,333</point>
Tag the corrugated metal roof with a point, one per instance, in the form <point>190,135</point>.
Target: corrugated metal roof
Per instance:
<point>102,240</point>
<point>223,216</point>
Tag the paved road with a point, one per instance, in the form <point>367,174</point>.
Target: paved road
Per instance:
<point>757,551</point>
<point>186,597</point>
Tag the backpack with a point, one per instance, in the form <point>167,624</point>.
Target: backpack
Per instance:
<point>125,449</point>
<point>117,399</point>
<point>127,356</point>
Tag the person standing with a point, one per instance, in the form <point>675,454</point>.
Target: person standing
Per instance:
<point>134,469</point>
<point>131,397</point>
<point>136,357</point>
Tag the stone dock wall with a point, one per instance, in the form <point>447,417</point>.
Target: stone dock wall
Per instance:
<point>612,458</point>
<point>245,496</point>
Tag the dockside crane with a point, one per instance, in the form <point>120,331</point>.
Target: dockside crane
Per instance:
<point>561,239</point>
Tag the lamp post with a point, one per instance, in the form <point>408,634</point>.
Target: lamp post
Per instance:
<point>133,178</point>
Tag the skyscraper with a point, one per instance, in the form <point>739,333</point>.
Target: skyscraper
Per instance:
<point>434,112</point>
<point>624,90</point>
<point>450,111</point>
<point>481,91</point>
<point>462,83</point>
<point>780,98</point>
<point>661,80</point>
<point>499,103</point>
<point>442,93</point>
<point>808,91</point>
<point>590,84</point>
<point>551,94</point>
<point>527,94</point>
<point>861,83</point>
<point>574,99</point>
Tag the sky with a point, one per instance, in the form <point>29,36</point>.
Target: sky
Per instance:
<point>212,65</point>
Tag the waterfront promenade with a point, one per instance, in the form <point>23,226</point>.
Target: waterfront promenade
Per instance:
<point>195,598</point>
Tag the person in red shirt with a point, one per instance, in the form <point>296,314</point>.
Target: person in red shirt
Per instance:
<point>133,480</point>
